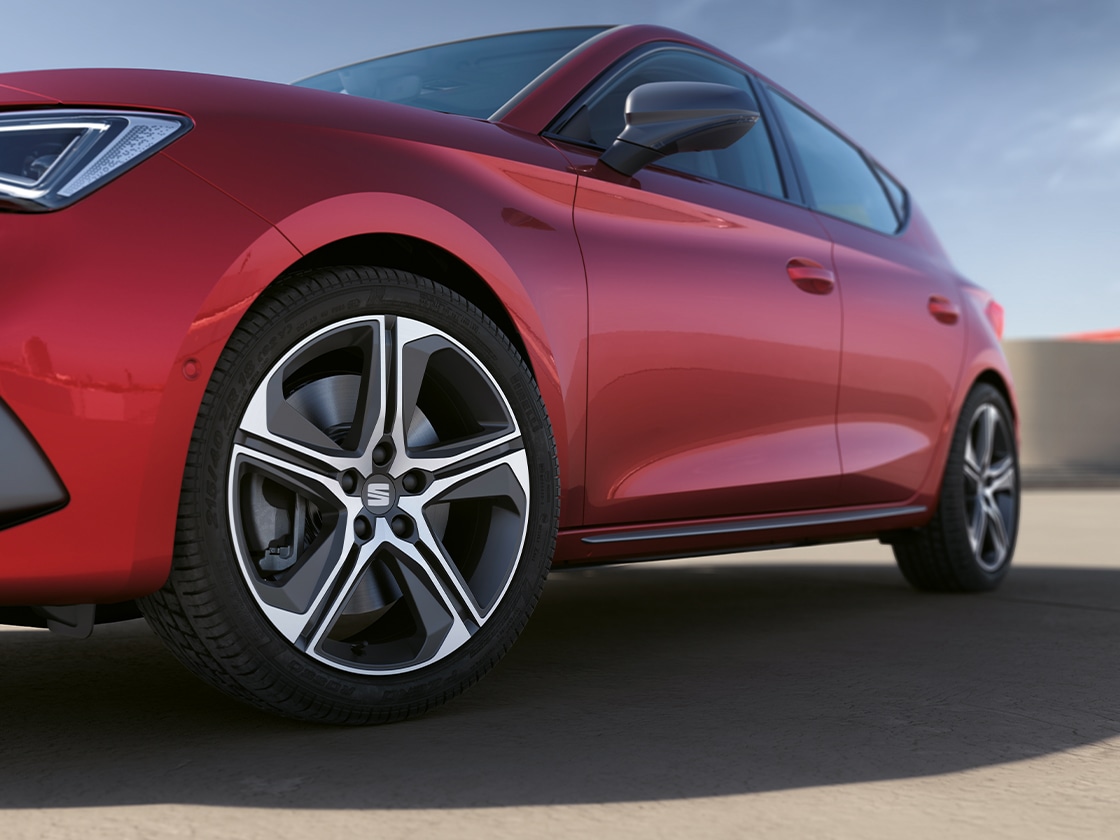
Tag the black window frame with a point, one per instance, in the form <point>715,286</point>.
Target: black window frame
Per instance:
<point>901,204</point>
<point>901,214</point>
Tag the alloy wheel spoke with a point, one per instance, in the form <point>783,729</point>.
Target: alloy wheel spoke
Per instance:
<point>1001,476</point>
<point>430,553</point>
<point>464,617</point>
<point>300,608</point>
<point>283,457</point>
<point>296,470</point>
<point>304,575</point>
<point>501,481</point>
<point>255,435</point>
<point>373,418</point>
<point>469,459</point>
<point>438,611</point>
<point>972,475</point>
<point>331,608</point>
<point>326,400</point>
<point>407,374</point>
<point>470,462</point>
<point>448,482</point>
<point>972,467</point>
<point>997,531</point>
<point>977,529</point>
<point>985,429</point>
<point>422,353</point>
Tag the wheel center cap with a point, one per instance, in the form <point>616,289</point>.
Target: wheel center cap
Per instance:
<point>379,495</point>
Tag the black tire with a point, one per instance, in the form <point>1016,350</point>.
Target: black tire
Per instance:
<point>369,505</point>
<point>969,543</point>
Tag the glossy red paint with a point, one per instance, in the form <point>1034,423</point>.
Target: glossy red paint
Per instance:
<point>712,388</point>
<point>688,381</point>
<point>901,364</point>
<point>13,96</point>
<point>97,378</point>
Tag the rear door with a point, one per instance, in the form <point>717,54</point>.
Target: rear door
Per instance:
<point>903,338</point>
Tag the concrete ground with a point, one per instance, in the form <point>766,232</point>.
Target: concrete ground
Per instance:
<point>788,694</point>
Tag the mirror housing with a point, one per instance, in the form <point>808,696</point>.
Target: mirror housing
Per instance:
<point>664,118</point>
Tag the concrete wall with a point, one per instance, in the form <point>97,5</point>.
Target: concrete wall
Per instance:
<point>1069,403</point>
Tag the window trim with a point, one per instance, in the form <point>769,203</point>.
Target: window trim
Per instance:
<point>547,73</point>
<point>901,212</point>
<point>902,217</point>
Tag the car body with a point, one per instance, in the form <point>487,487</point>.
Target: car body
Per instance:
<point>731,349</point>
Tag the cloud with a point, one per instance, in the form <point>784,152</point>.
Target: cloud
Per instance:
<point>1076,149</point>
<point>684,15</point>
<point>1103,130</point>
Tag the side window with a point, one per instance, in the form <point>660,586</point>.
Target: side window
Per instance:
<point>840,180</point>
<point>600,117</point>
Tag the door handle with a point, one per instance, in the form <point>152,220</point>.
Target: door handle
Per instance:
<point>810,276</point>
<point>943,309</point>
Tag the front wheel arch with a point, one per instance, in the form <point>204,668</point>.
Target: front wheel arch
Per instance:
<point>419,256</point>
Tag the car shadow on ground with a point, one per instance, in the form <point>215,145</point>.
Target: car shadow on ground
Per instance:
<point>630,684</point>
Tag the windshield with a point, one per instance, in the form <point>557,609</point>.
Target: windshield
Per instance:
<point>473,78</point>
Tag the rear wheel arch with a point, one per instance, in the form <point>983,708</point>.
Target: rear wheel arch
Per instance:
<point>986,376</point>
<point>997,381</point>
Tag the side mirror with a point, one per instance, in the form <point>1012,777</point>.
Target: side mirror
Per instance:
<point>663,118</point>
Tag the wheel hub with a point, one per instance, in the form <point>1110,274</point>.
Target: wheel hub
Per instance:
<point>379,495</point>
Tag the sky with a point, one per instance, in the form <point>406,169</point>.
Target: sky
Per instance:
<point>1001,117</point>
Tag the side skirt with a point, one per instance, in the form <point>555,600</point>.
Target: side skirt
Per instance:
<point>699,538</point>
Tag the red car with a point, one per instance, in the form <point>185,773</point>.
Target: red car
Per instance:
<point>322,377</point>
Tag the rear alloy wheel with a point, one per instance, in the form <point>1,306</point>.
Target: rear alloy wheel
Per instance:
<point>968,544</point>
<point>388,508</point>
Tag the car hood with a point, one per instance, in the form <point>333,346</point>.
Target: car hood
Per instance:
<point>120,88</point>
<point>204,97</point>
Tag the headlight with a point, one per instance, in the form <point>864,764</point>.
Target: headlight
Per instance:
<point>49,159</point>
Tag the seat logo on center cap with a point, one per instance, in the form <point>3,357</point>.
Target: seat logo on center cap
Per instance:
<point>378,494</point>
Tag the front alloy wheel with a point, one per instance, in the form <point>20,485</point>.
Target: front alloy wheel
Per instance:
<point>389,501</point>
